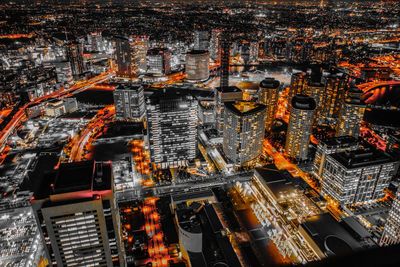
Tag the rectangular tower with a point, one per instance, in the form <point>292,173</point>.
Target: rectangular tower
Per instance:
<point>78,217</point>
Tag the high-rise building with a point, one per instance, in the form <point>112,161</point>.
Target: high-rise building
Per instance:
<point>74,54</point>
<point>300,126</point>
<point>225,57</point>
<point>361,175</point>
<point>201,40</point>
<point>297,82</point>
<point>317,91</point>
<point>214,44</point>
<point>129,102</point>
<point>222,95</point>
<point>391,233</point>
<point>351,117</point>
<point>130,56</point>
<point>331,146</point>
<point>78,216</point>
<point>268,94</point>
<point>197,65</point>
<point>158,61</point>
<point>172,115</point>
<point>334,95</point>
<point>244,127</point>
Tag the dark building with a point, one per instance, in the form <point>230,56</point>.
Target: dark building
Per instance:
<point>74,54</point>
<point>172,116</point>
<point>129,102</point>
<point>78,216</point>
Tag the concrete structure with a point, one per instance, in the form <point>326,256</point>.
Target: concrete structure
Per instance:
<point>300,126</point>
<point>129,102</point>
<point>361,175</point>
<point>78,215</point>
<point>391,233</point>
<point>172,115</point>
<point>332,146</point>
<point>158,61</point>
<point>268,94</point>
<point>197,66</point>
<point>351,117</point>
<point>222,95</point>
<point>244,127</point>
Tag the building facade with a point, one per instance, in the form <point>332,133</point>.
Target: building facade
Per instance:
<point>197,65</point>
<point>129,102</point>
<point>158,61</point>
<point>244,128</point>
<point>391,233</point>
<point>361,175</point>
<point>172,117</point>
<point>268,94</point>
<point>78,216</point>
<point>300,126</point>
<point>351,117</point>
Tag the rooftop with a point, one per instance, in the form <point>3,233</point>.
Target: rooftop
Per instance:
<point>362,158</point>
<point>243,108</point>
<point>329,235</point>
<point>269,83</point>
<point>303,102</point>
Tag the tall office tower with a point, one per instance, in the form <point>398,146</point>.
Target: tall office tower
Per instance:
<point>317,91</point>
<point>201,40</point>
<point>331,146</point>
<point>197,65</point>
<point>172,115</point>
<point>244,127</point>
<point>357,176</point>
<point>268,95</point>
<point>225,57</point>
<point>214,44</point>
<point>74,54</point>
<point>78,216</point>
<point>129,102</point>
<point>126,57</point>
<point>300,126</point>
<point>391,233</point>
<point>158,61</point>
<point>141,43</point>
<point>130,56</point>
<point>351,117</point>
<point>334,95</point>
<point>296,84</point>
<point>222,95</point>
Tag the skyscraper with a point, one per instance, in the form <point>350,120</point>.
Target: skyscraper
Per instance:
<point>214,44</point>
<point>244,127</point>
<point>130,56</point>
<point>297,82</point>
<point>78,216</point>
<point>201,40</point>
<point>268,95</point>
<point>74,54</point>
<point>351,117</point>
<point>391,233</point>
<point>158,61</point>
<point>300,126</point>
<point>129,102</point>
<point>225,57</point>
<point>356,176</point>
<point>222,95</point>
<point>197,65</point>
<point>317,91</point>
<point>334,95</point>
<point>172,129</point>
